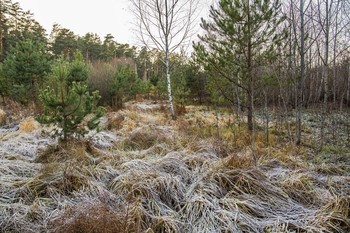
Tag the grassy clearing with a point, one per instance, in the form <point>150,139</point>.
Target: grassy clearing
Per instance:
<point>198,174</point>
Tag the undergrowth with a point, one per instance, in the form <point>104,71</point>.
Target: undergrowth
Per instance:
<point>198,174</point>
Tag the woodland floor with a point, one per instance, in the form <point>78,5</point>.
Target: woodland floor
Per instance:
<point>146,173</point>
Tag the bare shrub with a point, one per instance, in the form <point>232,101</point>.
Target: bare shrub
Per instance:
<point>101,78</point>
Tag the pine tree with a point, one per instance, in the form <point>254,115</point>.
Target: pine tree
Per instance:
<point>125,84</point>
<point>64,41</point>
<point>108,48</point>
<point>25,68</point>
<point>180,76</point>
<point>67,100</point>
<point>4,85</point>
<point>240,39</point>
<point>17,25</point>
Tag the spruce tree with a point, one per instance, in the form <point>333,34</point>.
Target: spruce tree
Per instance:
<point>67,100</point>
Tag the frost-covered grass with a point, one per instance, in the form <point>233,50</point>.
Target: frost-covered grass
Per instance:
<point>155,175</point>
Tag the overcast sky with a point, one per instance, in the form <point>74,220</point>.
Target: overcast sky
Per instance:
<point>82,16</point>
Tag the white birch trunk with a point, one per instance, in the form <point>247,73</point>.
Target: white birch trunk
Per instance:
<point>168,80</point>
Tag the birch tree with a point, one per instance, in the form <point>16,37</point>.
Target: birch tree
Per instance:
<point>165,25</point>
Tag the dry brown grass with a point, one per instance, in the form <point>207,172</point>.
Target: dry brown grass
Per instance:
<point>90,218</point>
<point>335,215</point>
<point>289,154</point>
<point>54,177</point>
<point>302,187</point>
<point>184,176</point>
<point>238,161</point>
<point>332,169</point>
<point>115,121</point>
<point>180,110</point>
<point>15,111</point>
<point>77,150</point>
<point>2,117</point>
<point>144,138</point>
<point>28,125</point>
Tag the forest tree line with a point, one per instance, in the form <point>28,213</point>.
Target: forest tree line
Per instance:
<point>284,54</point>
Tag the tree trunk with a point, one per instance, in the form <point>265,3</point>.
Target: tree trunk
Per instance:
<point>325,72</point>
<point>250,80</point>
<point>250,110</point>
<point>301,78</point>
<point>1,28</point>
<point>335,55</point>
<point>173,115</point>
<point>348,87</point>
<point>239,107</point>
<point>267,120</point>
<point>144,77</point>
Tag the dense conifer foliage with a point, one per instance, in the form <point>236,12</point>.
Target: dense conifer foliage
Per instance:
<point>67,101</point>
